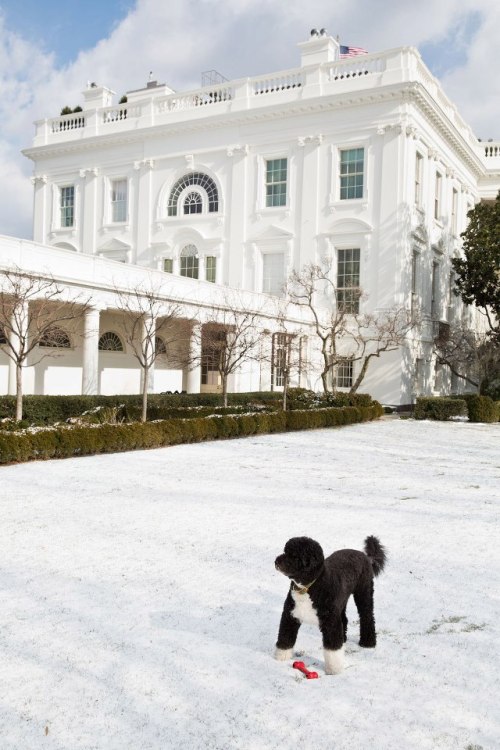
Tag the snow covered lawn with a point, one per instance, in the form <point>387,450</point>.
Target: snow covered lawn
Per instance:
<point>140,604</point>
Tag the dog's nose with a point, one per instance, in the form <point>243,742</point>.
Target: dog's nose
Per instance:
<point>277,565</point>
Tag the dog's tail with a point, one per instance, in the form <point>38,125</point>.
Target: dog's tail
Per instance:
<point>376,553</point>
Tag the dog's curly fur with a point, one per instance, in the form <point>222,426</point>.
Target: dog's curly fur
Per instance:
<point>319,592</point>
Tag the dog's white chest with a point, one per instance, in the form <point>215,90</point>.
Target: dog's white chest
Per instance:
<point>304,610</point>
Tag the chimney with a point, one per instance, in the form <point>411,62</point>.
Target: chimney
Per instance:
<point>96,96</point>
<point>319,48</point>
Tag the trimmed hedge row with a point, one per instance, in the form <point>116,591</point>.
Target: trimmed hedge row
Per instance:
<point>439,408</point>
<point>477,408</point>
<point>85,441</point>
<point>50,409</point>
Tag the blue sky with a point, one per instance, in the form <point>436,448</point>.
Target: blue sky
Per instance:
<point>64,28</point>
<point>49,50</point>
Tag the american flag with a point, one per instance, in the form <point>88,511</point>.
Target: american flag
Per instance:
<point>351,51</point>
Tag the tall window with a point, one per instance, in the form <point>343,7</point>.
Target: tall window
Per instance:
<point>273,273</point>
<point>276,180</point>
<point>454,211</point>
<point>451,297</point>
<point>415,258</point>
<point>348,291</point>
<point>435,290</point>
<point>344,373</point>
<point>437,196</point>
<point>67,198</point>
<point>201,180</point>
<point>119,200</point>
<point>280,358</point>
<point>189,265</point>
<point>352,172</point>
<point>419,166</point>
<point>211,268</point>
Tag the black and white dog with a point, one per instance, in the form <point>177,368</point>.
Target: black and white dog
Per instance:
<point>319,592</point>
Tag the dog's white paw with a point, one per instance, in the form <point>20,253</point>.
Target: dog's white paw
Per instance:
<point>282,654</point>
<point>334,661</point>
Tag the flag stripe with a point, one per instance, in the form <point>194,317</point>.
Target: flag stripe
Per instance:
<point>347,51</point>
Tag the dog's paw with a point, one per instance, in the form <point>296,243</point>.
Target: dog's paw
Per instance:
<point>282,654</point>
<point>334,661</point>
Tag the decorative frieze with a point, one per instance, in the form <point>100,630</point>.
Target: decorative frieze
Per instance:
<point>315,140</point>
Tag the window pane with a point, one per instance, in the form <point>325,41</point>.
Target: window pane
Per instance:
<point>348,279</point>
<point>351,173</point>
<point>189,265</point>
<point>210,268</point>
<point>67,206</point>
<point>273,273</point>
<point>193,204</point>
<point>276,182</point>
<point>119,200</point>
<point>168,265</point>
<point>344,374</point>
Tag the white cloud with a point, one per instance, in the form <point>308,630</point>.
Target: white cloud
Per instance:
<point>178,40</point>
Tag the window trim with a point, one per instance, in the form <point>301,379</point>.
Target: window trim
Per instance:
<point>285,182</point>
<point>438,196</point>
<point>339,373</point>
<point>419,179</point>
<point>195,181</point>
<point>340,176</point>
<point>108,333</point>
<point>354,302</point>
<point>62,207</point>
<point>184,258</point>
<point>114,203</point>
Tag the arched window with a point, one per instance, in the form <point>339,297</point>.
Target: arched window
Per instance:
<point>160,346</point>
<point>110,342</point>
<point>193,203</point>
<point>56,338</point>
<point>189,262</point>
<point>204,182</point>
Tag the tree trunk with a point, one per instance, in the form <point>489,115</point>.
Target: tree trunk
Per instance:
<point>19,392</point>
<point>285,392</point>
<point>361,375</point>
<point>144,415</point>
<point>224,391</point>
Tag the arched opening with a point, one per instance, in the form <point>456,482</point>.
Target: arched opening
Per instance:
<point>189,262</point>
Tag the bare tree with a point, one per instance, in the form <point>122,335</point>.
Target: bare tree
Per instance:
<point>376,333</point>
<point>344,333</point>
<point>470,356</point>
<point>153,329</point>
<point>286,351</point>
<point>37,315</point>
<point>230,337</point>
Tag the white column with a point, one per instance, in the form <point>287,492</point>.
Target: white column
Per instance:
<point>90,373</point>
<point>191,380</point>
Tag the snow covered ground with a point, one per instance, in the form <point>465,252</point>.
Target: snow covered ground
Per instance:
<point>140,604</point>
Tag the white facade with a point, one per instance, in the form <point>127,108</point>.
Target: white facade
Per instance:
<point>363,159</point>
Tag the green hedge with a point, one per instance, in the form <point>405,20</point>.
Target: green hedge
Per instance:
<point>477,408</point>
<point>84,441</point>
<point>439,408</point>
<point>482,409</point>
<point>50,409</point>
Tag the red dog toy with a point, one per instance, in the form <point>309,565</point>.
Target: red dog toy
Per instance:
<point>302,668</point>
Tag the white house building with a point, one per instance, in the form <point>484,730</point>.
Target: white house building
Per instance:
<point>362,164</point>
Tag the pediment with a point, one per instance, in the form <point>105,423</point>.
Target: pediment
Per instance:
<point>350,226</point>
<point>272,232</point>
<point>113,244</point>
